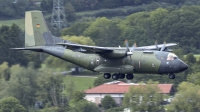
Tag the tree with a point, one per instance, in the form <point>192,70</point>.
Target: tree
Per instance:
<point>47,5</point>
<point>50,88</point>
<point>76,29</point>
<point>104,32</point>
<point>144,98</point>
<point>194,78</point>
<point>70,12</point>
<point>76,97</point>
<point>190,58</point>
<point>115,109</point>
<point>186,99</point>
<point>85,106</point>
<point>22,85</point>
<point>11,104</point>
<point>8,9</point>
<point>81,5</point>
<point>101,80</point>
<point>5,71</point>
<point>10,37</point>
<point>108,102</point>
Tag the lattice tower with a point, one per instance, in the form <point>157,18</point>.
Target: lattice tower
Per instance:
<point>58,19</point>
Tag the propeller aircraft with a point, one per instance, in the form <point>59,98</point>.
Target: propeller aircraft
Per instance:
<point>116,62</point>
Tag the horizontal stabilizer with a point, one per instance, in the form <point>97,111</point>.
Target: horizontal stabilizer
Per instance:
<point>37,49</point>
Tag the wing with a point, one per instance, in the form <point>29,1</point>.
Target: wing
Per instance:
<point>95,49</point>
<point>153,47</point>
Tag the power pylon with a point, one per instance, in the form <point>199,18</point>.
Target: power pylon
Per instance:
<point>58,14</point>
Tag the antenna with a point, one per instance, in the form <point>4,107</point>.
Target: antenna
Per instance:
<point>58,15</point>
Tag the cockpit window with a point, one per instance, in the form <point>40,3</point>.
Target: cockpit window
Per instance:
<point>171,56</point>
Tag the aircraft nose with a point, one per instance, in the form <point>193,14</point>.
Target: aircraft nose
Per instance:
<point>183,66</point>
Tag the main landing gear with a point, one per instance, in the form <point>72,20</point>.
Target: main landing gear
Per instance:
<point>171,76</point>
<point>116,76</point>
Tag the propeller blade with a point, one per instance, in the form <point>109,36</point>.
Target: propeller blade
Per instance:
<point>135,45</point>
<point>163,47</point>
<point>156,45</point>
<point>128,52</point>
<point>132,48</point>
<point>127,45</point>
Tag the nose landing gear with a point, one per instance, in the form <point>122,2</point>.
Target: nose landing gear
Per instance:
<point>171,76</point>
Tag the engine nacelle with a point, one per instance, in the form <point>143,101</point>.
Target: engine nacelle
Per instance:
<point>117,53</point>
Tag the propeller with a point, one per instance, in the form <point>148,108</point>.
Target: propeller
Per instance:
<point>156,45</point>
<point>163,47</point>
<point>129,51</point>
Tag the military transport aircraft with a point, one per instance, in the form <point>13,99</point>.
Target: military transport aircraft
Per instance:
<point>121,62</point>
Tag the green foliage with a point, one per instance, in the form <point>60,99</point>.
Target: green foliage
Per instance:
<point>46,5</point>
<point>8,9</point>
<point>70,12</point>
<point>70,88</point>
<point>190,58</point>
<point>102,31</point>
<point>101,80</point>
<point>115,109</point>
<point>22,85</point>
<point>80,83</point>
<point>76,97</point>
<point>194,78</point>
<point>79,39</point>
<point>11,37</point>
<point>146,98</point>
<point>5,71</point>
<point>85,106</point>
<point>56,64</point>
<point>11,104</point>
<point>50,88</point>
<point>108,102</point>
<point>76,29</point>
<point>186,99</point>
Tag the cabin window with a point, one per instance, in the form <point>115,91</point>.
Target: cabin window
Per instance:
<point>171,56</point>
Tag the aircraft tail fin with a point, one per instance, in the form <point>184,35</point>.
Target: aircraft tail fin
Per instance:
<point>37,32</point>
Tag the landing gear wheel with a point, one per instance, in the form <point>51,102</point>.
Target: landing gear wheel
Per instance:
<point>129,76</point>
<point>107,75</point>
<point>115,77</point>
<point>121,76</point>
<point>171,76</point>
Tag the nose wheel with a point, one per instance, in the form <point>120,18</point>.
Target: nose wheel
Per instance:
<point>171,76</point>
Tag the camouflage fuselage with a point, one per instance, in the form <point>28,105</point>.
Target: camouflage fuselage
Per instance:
<point>139,62</point>
<point>116,60</point>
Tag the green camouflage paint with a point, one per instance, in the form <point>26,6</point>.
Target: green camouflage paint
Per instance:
<point>39,38</point>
